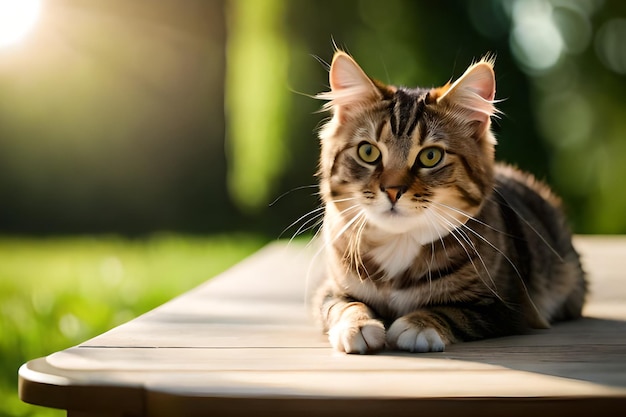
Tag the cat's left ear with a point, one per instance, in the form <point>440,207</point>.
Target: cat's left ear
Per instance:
<point>474,92</point>
<point>350,86</point>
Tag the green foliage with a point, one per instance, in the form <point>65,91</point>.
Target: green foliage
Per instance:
<point>58,292</point>
<point>207,107</point>
<point>256,100</point>
<point>560,69</point>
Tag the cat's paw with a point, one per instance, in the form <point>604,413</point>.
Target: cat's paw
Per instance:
<point>405,335</point>
<point>363,336</point>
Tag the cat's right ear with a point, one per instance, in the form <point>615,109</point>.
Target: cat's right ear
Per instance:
<point>350,87</point>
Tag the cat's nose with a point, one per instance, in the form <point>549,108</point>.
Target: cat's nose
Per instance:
<point>394,193</point>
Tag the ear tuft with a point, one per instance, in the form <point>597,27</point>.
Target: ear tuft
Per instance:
<point>475,92</point>
<point>349,84</point>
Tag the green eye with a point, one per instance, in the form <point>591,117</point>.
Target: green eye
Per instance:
<point>368,153</point>
<point>429,157</point>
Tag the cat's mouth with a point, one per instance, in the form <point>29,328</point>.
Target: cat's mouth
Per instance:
<point>394,211</point>
<point>394,217</point>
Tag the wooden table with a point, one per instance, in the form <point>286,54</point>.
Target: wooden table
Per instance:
<point>244,344</point>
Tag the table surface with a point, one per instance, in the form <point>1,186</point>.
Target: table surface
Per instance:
<point>244,342</point>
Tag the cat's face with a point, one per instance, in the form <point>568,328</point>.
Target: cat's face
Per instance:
<point>407,159</point>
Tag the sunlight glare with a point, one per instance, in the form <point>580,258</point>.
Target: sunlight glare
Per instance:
<point>17,17</point>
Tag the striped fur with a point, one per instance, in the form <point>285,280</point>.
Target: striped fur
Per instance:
<point>428,240</point>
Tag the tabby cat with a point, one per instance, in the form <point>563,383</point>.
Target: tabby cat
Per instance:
<point>429,241</point>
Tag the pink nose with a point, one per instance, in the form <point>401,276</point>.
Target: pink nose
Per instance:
<point>394,193</point>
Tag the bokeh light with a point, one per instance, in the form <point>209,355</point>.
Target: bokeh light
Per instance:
<point>139,116</point>
<point>535,39</point>
<point>611,46</point>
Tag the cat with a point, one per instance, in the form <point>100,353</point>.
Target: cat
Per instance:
<point>428,241</point>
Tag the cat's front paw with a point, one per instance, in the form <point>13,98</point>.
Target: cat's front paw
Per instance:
<point>363,336</point>
<point>405,335</point>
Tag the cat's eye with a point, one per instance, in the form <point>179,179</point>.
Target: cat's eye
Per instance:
<point>430,157</point>
<point>368,153</point>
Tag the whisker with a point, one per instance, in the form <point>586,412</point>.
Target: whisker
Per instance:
<point>465,226</point>
<point>304,216</point>
<point>349,222</point>
<point>430,263</point>
<point>517,272</point>
<point>346,226</point>
<point>469,216</point>
<point>316,235</point>
<point>301,218</point>
<point>355,247</point>
<point>327,242</point>
<point>453,230</point>
<point>518,214</point>
<point>301,187</point>
<point>315,221</point>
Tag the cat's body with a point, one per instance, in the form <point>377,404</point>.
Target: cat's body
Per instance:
<point>428,241</point>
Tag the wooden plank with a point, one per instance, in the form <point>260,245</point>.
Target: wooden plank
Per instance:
<point>163,404</point>
<point>245,340</point>
<point>309,371</point>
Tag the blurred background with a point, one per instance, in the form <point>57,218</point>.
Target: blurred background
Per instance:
<point>143,143</point>
<point>139,116</point>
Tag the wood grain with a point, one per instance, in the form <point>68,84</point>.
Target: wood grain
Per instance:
<point>244,342</point>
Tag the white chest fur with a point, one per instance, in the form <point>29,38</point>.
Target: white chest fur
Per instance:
<point>395,253</point>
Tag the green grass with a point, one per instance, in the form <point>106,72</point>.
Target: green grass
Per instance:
<point>58,292</point>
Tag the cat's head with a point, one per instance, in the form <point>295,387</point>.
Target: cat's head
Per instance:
<point>405,158</point>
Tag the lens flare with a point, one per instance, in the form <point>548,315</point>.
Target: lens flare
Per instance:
<point>17,18</point>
